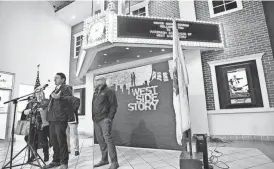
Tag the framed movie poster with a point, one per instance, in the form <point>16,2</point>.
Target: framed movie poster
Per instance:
<point>6,87</point>
<point>6,80</point>
<point>4,96</point>
<point>238,85</point>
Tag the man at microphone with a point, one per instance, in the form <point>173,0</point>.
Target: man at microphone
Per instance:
<point>59,113</point>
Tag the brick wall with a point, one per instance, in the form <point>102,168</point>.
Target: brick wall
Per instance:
<point>246,33</point>
<point>164,8</point>
<point>73,80</point>
<point>156,8</point>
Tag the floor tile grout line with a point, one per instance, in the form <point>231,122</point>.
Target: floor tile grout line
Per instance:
<point>246,158</point>
<point>241,151</point>
<point>260,165</point>
<point>125,158</point>
<point>146,161</point>
<point>79,155</point>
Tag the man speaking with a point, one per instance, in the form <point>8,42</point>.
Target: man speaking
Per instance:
<point>104,107</point>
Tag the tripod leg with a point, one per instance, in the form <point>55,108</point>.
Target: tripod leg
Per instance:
<point>36,155</point>
<point>16,156</point>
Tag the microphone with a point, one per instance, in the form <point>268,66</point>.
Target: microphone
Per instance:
<point>45,86</point>
<point>39,89</point>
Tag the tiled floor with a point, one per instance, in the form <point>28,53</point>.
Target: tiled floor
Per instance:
<point>136,158</point>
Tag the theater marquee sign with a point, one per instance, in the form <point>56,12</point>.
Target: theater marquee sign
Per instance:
<point>151,30</point>
<point>162,29</point>
<point>106,29</point>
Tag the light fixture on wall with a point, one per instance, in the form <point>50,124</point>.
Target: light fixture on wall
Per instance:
<point>138,56</point>
<point>163,50</point>
<point>105,54</point>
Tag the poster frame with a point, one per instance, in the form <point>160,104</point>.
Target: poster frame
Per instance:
<point>9,112</point>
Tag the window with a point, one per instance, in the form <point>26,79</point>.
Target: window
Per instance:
<point>78,38</point>
<point>140,9</point>
<point>140,12</point>
<point>239,83</point>
<point>221,7</point>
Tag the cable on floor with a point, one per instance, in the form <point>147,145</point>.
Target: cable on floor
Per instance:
<point>214,159</point>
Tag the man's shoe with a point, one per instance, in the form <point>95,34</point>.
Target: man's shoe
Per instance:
<point>46,157</point>
<point>63,166</point>
<point>101,163</point>
<point>52,165</point>
<point>114,166</point>
<point>77,153</point>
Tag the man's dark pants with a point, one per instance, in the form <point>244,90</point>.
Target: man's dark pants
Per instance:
<point>58,139</point>
<point>103,134</point>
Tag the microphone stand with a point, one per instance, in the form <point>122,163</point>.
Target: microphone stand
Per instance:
<point>15,102</point>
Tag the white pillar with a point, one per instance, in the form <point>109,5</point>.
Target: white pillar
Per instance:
<point>197,98</point>
<point>88,122</point>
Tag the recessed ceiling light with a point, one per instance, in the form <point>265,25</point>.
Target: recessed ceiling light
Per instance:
<point>163,50</point>
<point>138,56</point>
<point>105,54</point>
<point>73,17</point>
<point>117,61</point>
<point>127,48</point>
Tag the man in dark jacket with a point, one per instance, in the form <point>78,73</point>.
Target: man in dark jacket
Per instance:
<point>59,113</point>
<point>104,107</point>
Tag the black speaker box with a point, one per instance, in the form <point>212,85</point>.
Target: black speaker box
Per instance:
<point>191,164</point>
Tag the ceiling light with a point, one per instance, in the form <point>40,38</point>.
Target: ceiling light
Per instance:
<point>150,51</point>
<point>105,54</point>
<point>73,17</point>
<point>99,65</point>
<point>105,62</point>
<point>138,56</point>
<point>127,48</point>
<point>117,61</point>
<point>163,50</point>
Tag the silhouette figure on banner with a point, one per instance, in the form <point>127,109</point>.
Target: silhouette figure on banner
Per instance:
<point>133,78</point>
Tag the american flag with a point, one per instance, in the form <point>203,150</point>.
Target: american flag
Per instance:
<point>180,84</point>
<point>37,83</point>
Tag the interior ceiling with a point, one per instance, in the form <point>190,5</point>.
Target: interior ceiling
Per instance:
<point>118,55</point>
<point>57,5</point>
<point>78,11</point>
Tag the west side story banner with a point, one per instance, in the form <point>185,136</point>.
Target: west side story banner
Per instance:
<point>145,115</point>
